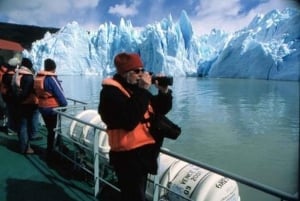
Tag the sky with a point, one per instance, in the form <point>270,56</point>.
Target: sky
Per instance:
<point>227,15</point>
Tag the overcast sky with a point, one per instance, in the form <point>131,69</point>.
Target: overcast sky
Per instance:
<point>229,15</point>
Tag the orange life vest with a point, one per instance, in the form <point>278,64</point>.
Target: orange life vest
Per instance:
<point>3,88</point>
<point>46,99</point>
<point>31,99</point>
<point>3,69</point>
<point>123,140</point>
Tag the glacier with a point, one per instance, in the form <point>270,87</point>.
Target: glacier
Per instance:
<point>268,48</point>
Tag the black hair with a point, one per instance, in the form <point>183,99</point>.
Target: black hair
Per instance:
<point>49,65</point>
<point>27,63</point>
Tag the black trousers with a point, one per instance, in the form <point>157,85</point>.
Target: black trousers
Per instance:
<point>131,174</point>
<point>132,184</point>
<point>50,123</point>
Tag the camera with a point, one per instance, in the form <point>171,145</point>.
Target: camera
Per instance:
<point>163,80</point>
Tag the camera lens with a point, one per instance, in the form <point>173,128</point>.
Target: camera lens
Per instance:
<point>163,80</point>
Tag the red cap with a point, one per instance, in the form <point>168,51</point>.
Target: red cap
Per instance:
<point>125,62</point>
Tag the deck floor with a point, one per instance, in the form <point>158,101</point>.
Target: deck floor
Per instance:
<point>31,178</point>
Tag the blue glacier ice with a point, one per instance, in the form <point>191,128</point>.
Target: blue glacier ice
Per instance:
<point>268,48</point>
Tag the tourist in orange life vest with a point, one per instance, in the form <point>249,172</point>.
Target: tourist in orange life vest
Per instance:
<point>3,107</point>
<point>50,94</point>
<point>125,102</point>
<point>6,91</point>
<point>26,104</point>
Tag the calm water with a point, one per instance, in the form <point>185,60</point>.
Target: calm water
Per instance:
<point>247,127</point>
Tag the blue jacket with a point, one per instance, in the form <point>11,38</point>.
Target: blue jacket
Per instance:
<point>54,87</point>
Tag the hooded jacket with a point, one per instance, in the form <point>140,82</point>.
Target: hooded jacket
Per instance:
<point>22,86</point>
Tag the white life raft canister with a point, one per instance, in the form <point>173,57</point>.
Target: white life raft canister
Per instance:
<point>189,181</point>
<point>85,134</point>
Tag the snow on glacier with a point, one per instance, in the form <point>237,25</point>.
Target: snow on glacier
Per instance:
<point>268,48</point>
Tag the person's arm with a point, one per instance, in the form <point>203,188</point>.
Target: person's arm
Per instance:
<point>162,102</point>
<point>52,85</point>
<point>119,111</point>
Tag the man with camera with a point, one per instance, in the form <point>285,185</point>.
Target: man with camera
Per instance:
<point>125,103</point>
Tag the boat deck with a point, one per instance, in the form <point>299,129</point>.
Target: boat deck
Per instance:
<point>31,178</point>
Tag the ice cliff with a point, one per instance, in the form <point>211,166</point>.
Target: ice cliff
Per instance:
<point>268,48</point>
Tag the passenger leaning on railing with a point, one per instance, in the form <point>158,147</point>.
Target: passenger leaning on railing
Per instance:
<point>125,102</point>
<point>50,94</point>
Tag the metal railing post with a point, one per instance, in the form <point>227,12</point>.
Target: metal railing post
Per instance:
<point>156,188</point>
<point>96,162</point>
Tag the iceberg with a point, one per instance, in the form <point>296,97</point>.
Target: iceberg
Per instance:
<point>268,48</point>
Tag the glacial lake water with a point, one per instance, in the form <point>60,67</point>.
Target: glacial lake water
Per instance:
<point>244,126</point>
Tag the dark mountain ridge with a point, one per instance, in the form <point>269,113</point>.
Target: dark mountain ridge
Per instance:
<point>23,34</point>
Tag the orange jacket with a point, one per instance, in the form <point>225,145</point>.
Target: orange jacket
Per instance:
<point>3,69</point>
<point>46,99</point>
<point>123,140</point>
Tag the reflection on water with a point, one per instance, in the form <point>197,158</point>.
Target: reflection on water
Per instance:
<point>248,127</point>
